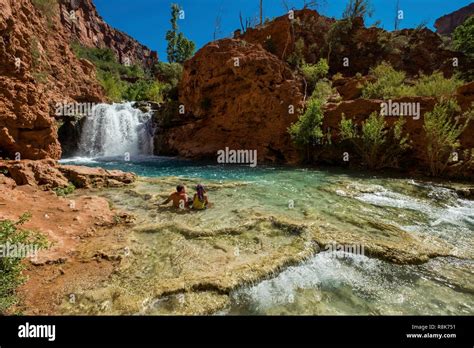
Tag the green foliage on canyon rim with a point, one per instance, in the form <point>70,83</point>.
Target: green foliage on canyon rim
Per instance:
<point>463,37</point>
<point>391,83</point>
<point>120,82</point>
<point>378,145</point>
<point>11,268</point>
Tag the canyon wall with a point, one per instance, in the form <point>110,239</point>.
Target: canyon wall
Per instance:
<point>237,95</point>
<point>38,69</point>
<point>246,106</point>
<point>82,22</point>
<point>448,23</point>
<point>411,50</point>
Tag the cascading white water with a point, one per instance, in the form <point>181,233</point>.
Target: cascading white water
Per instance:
<point>116,130</point>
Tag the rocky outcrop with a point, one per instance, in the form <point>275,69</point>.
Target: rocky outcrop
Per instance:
<point>47,174</point>
<point>34,173</point>
<point>236,95</point>
<point>82,22</point>
<point>37,70</point>
<point>86,177</point>
<point>410,50</point>
<point>448,23</point>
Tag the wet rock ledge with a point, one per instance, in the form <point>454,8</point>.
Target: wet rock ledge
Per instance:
<point>48,174</point>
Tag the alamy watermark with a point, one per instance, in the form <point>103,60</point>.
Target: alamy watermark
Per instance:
<point>343,250</point>
<point>229,156</point>
<point>18,250</point>
<point>391,108</point>
<point>75,109</point>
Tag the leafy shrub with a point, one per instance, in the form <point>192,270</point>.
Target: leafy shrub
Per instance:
<point>463,37</point>
<point>114,76</point>
<point>307,131</point>
<point>335,37</point>
<point>64,191</point>
<point>296,59</point>
<point>47,8</point>
<point>377,144</point>
<point>442,134</point>
<point>435,85</point>
<point>11,267</point>
<point>114,87</point>
<point>169,72</point>
<point>322,90</point>
<point>391,84</point>
<point>313,72</point>
<point>146,90</point>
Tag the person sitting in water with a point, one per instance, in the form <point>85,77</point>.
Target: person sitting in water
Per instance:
<point>200,200</point>
<point>179,198</point>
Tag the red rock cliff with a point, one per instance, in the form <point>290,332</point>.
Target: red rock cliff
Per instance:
<point>39,69</point>
<point>409,50</point>
<point>236,95</point>
<point>82,22</point>
<point>448,23</point>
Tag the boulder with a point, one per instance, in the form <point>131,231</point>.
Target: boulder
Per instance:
<point>7,182</point>
<point>236,95</point>
<point>43,173</point>
<point>86,177</point>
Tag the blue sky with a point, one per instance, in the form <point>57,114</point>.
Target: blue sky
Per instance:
<point>148,20</point>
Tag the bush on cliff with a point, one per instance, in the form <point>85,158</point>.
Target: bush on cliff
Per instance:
<point>376,143</point>
<point>169,73</point>
<point>463,37</point>
<point>47,8</point>
<point>322,90</point>
<point>443,130</point>
<point>388,84</point>
<point>296,59</point>
<point>435,85</point>
<point>314,72</point>
<point>358,8</point>
<point>307,131</point>
<point>116,78</point>
<point>391,84</point>
<point>11,267</point>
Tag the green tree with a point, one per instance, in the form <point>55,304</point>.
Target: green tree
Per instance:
<point>307,131</point>
<point>463,37</point>
<point>443,130</point>
<point>179,47</point>
<point>377,144</point>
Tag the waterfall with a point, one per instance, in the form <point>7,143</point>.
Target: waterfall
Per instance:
<point>116,130</point>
